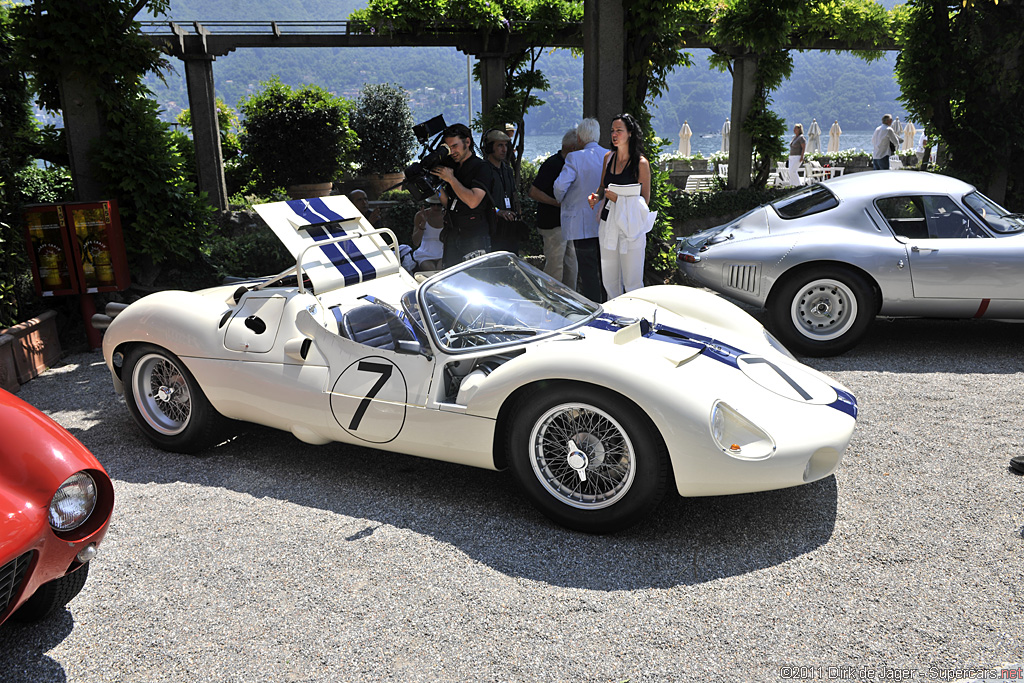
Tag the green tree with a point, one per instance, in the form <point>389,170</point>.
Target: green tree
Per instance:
<point>98,42</point>
<point>960,72</point>
<point>16,139</point>
<point>383,121</point>
<point>295,136</point>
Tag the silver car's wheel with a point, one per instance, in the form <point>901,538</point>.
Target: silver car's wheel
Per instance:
<point>580,454</point>
<point>162,394</point>
<point>824,309</point>
<point>167,402</point>
<point>587,458</point>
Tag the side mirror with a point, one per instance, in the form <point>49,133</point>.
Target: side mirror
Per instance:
<point>413,348</point>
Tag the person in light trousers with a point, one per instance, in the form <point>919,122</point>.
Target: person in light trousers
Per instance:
<point>625,221</point>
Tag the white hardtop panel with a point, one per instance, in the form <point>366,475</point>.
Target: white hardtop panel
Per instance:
<point>302,223</point>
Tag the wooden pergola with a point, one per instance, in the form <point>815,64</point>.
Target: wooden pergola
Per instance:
<point>601,36</point>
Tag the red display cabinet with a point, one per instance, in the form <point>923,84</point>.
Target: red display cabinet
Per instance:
<point>76,248</point>
<point>50,250</point>
<point>100,259</point>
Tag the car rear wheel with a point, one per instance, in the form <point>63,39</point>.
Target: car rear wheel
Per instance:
<point>587,458</point>
<point>822,311</point>
<point>53,595</point>
<point>167,402</point>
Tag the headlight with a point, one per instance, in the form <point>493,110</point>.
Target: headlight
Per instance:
<point>73,503</point>
<point>737,436</point>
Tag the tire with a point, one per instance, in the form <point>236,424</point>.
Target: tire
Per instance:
<point>623,461</point>
<point>53,595</point>
<point>822,311</point>
<point>167,402</point>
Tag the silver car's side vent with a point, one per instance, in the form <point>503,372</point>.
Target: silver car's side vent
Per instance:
<point>744,277</point>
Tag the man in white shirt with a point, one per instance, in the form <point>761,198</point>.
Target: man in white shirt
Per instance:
<point>580,176</point>
<point>884,142</point>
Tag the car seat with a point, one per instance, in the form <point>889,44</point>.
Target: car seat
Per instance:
<point>375,326</point>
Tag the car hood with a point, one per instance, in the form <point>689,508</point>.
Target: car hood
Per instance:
<point>304,227</point>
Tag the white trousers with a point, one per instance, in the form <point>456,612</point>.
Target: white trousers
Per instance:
<point>794,170</point>
<point>559,257</point>
<point>622,272</point>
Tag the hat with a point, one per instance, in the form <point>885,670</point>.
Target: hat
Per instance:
<point>496,135</point>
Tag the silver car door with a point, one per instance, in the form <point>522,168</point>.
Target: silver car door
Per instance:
<point>957,259</point>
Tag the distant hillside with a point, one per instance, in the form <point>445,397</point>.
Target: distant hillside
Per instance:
<point>823,86</point>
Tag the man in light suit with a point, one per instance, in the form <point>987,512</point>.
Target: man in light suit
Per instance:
<point>580,176</point>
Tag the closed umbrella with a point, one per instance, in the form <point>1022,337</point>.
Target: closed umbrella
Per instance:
<point>833,138</point>
<point>909,133</point>
<point>726,129</point>
<point>814,137</point>
<point>684,139</point>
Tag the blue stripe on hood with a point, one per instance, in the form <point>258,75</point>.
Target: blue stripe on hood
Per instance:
<point>708,346</point>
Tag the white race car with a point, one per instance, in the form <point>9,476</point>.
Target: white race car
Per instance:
<point>490,363</point>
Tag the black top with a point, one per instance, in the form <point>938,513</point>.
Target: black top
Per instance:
<point>470,223</point>
<point>627,176</point>
<point>548,216</point>
<point>503,186</point>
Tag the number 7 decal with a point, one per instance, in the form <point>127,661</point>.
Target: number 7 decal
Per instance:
<point>384,371</point>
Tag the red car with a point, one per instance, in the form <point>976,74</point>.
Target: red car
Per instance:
<point>55,505</point>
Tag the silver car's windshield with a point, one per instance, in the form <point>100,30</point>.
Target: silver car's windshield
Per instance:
<point>499,300</point>
<point>996,217</point>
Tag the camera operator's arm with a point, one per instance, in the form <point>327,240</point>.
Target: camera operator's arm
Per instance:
<point>471,197</point>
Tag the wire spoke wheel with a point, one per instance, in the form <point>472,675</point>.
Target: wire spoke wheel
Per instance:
<point>162,394</point>
<point>582,456</point>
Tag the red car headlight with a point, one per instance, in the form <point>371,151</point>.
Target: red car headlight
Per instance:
<point>73,503</point>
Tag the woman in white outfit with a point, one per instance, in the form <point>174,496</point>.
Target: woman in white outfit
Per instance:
<point>426,236</point>
<point>625,218</point>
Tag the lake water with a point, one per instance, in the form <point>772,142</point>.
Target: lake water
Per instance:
<point>543,146</point>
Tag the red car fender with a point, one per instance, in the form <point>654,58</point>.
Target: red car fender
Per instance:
<point>36,456</point>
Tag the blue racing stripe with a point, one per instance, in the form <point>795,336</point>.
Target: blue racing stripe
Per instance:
<point>350,248</point>
<point>337,258</point>
<point>710,348</point>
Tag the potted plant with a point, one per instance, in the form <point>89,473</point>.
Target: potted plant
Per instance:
<point>383,121</point>
<point>297,139</point>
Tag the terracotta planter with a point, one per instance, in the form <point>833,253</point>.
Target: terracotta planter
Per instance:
<point>377,184</point>
<point>8,370</point>
<point>308,190</point>
<point>35,345</point>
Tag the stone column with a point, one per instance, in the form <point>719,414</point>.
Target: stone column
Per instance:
<point>744,72</point>
<point>604,62</point>
<point>492,80</point>
<point>83,125</point>
<point>205,131</point>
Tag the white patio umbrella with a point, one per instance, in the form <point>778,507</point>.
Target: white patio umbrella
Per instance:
<point>684,139</point>
<point>814,137</point>
<point>898,127</point>
<point>833,138</point>
<point>909,133</point>
<point>726,129</point>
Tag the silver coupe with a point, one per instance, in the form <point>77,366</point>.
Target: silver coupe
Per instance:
<point>825,260</point>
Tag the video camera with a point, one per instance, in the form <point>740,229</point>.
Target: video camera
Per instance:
<point>419,181</point>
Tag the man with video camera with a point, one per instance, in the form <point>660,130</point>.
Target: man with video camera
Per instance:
<point>469,211</point>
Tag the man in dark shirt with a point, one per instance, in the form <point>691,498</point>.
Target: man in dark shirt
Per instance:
<point>508,228</point>
<point>469,211</point>
<point>559,255</point>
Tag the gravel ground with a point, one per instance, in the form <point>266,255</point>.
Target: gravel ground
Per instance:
<point>271,560</point>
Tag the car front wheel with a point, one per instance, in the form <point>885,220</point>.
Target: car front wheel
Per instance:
<point>822,311</point>
<point>587,458</point>
<point>53,595</point>
<point>167,402</point>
